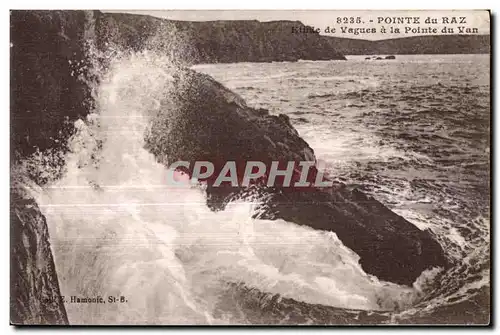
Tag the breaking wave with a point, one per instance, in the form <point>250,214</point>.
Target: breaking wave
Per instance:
<point>118,230</point>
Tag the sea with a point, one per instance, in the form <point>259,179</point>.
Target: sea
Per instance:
<point>413,132</point>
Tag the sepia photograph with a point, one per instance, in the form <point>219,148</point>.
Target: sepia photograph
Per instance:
<point>250,167</point>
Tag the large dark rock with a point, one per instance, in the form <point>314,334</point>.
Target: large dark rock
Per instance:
<point>35,298</point>
<point>202,120</point>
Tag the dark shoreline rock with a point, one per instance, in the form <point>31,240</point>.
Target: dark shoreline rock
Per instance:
<point>35,297</point>
<point>261,308</point>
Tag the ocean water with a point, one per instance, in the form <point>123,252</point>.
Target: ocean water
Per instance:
<point>413,132</point>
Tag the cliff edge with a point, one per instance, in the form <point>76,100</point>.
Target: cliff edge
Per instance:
<point>35,297</point>
<point>216,41</point>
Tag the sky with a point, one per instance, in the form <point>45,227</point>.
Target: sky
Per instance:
<point>371,19</point>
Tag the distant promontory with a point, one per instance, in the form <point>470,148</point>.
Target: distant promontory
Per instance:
<point>216,41</point>
<point>415,45</point>
<point>273,41</point>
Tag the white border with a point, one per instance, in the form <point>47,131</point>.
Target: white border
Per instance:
<point>190,4</point>
<point>254,4</point>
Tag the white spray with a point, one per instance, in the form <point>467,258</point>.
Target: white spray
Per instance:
<point>118,230</point>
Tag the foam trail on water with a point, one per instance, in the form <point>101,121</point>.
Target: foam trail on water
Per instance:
<point>118,230</point>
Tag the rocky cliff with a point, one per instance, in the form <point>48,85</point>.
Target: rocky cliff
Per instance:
<point>216,41</point>
<point>48,74</point>
<point>35,297</point>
